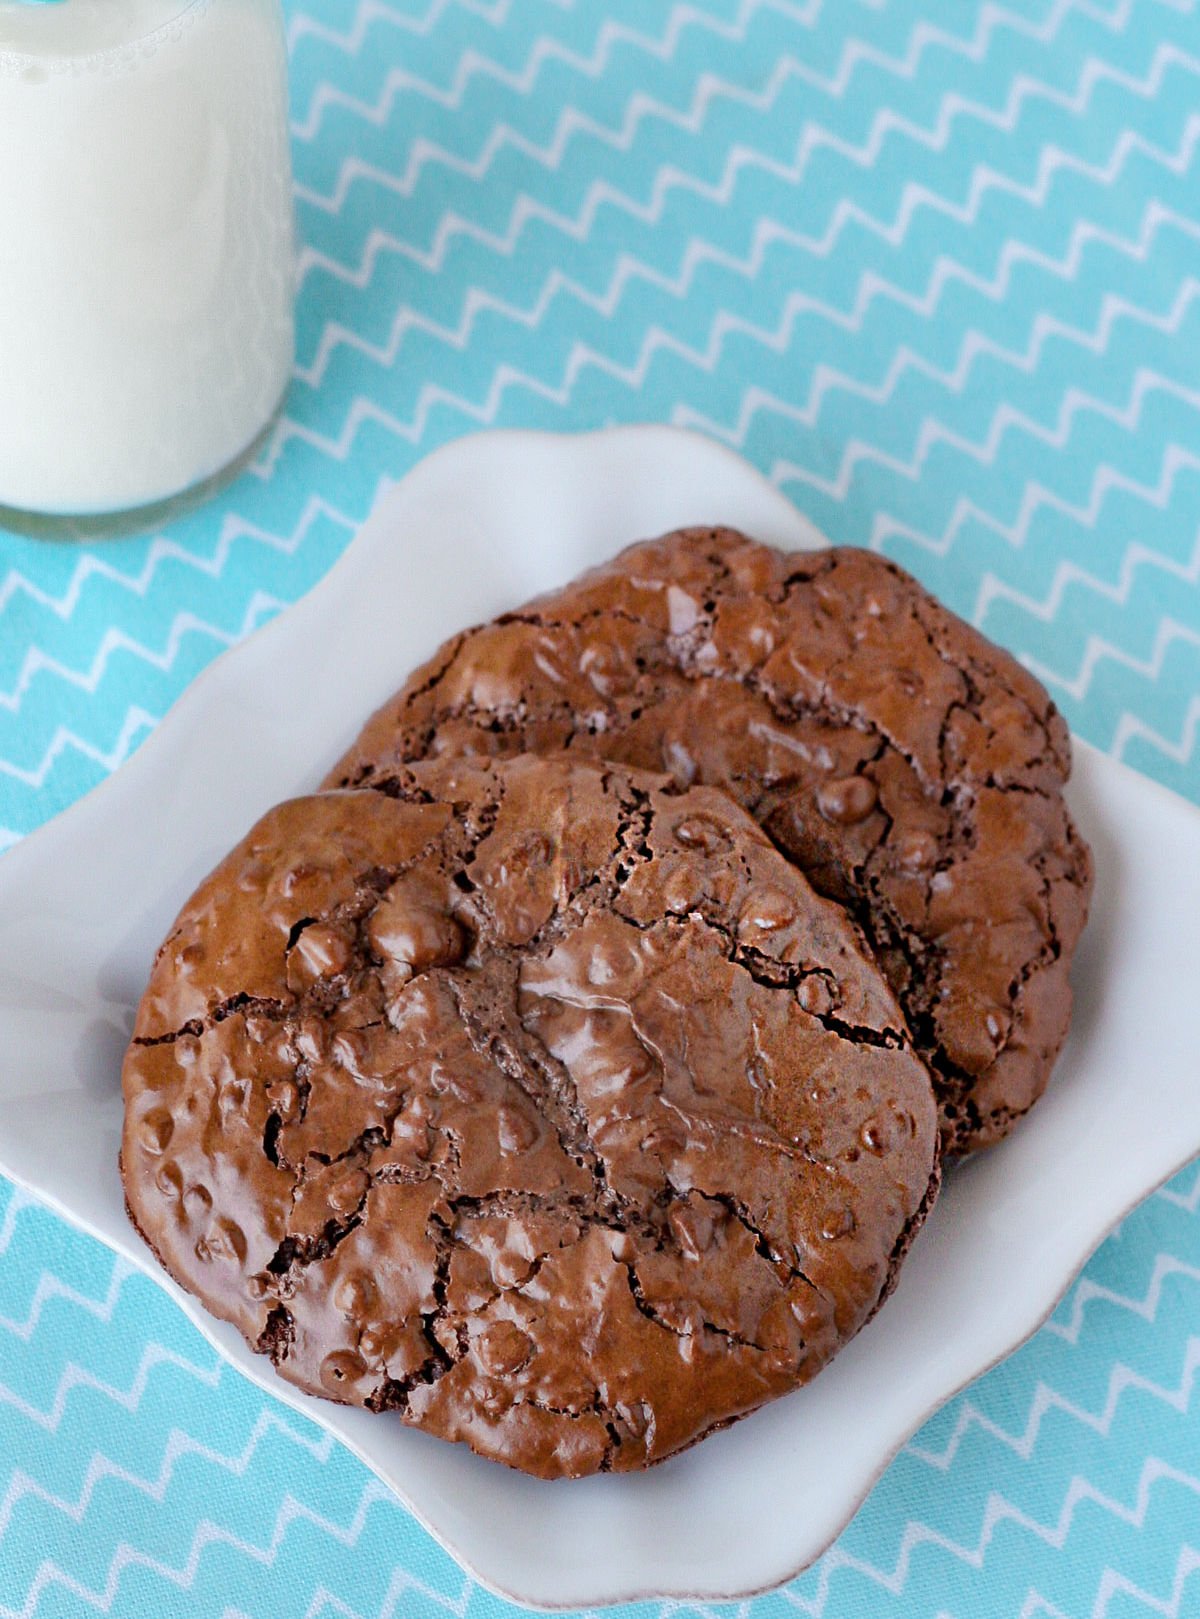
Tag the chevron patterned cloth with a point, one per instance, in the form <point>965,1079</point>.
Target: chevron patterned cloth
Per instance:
<point>934,266</point>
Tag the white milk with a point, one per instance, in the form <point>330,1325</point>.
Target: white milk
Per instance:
<point>145,245</point>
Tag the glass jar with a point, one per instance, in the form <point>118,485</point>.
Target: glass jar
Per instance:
<point>146,246</point>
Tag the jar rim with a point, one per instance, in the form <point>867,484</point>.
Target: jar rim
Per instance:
<point>36,61</point>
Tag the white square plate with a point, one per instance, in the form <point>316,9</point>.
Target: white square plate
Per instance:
<point>476,528</point>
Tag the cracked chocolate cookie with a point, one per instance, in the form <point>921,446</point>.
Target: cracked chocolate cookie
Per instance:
<point>540,1105</point>
<point>910,768</point>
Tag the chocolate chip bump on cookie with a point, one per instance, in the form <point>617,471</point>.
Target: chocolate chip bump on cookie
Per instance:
<point>910,768</point>
<point>541,1106</point>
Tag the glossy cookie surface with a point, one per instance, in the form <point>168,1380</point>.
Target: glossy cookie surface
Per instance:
<point>909,767</point>
<point>543,1107</point>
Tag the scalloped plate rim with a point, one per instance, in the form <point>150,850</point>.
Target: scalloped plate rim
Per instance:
<point>577,462</point>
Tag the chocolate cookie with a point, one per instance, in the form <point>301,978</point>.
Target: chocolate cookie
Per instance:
<point>545,1108</point>
<point>909,767</point>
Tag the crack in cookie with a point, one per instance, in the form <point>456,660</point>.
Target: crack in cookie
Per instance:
<point>911,769</point>
<point>540,1104</point>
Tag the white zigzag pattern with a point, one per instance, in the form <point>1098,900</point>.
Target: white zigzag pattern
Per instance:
<point>184,624</point>
<point>988,21</point>
<point>755,400</point>
<point>663,47</point>
<point>233,529</point>
<point>75,1377</point>
<point>572,122</point>
<point>339,448</point>
<point>1033,495</point>
<point>432,395</point>
<point>855,52</point>
<point>1033,498</point>
<point>1113,1584</point>
<point>1087,1290</point>
<point>1066,574</point>
<point>473,63</point>
<point>710,88</point>
<point>368,12</point>
<point>402,1585</point>
<point>65,740</point>
<point>932,432</point>
<point>827,379</point>
<point>1047,1399</point>
<point>179,1444</point>
<point>92,567</point>
<point>1044,327</point>
<point>52,1287</point>
<point>207,1533</point>
<point>997,1511</point>
<point>1131,726</point>
<point>102,1469</point>
<point>1137,557</point>
<point>18,1202</point>
<point>870,287</point>
<point>1188,1201</point>
<point>767,233</point>
<point>1093,72</point>
<point>1097,650</point>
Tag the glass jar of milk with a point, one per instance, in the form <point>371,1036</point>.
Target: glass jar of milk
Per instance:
<point>146,257</point>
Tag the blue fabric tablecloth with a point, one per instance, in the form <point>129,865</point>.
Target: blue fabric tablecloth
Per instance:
<point>934,265</point>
